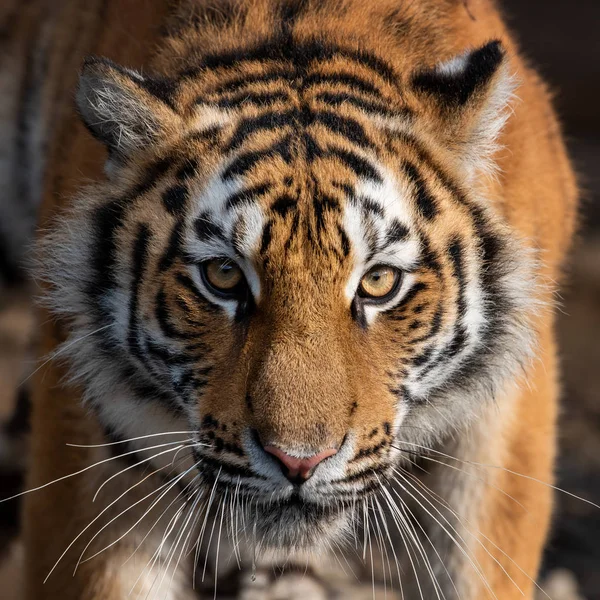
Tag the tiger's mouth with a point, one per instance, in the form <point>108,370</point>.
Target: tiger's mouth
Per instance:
<point>296,524</point>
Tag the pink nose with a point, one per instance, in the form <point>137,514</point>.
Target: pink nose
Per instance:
<point>298,470</point>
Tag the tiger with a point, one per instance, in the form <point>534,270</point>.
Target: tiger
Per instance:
<point>297,262</point>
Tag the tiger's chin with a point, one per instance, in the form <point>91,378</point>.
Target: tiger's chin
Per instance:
<point>296,525</point>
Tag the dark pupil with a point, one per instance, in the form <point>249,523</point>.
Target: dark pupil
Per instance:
<point>376,276</point>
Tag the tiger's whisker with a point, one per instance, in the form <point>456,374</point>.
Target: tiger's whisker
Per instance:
<point>219,544</point>
<point>212,531</point>
<point>96,464</point>
<point>399,521</point>
<point>516,473</point>
<point>168,485</point>
<point>417,544</point>
<point>476,567</point>
<point>133,439</point>
<point>61,350</point>
<point>203,528</point>
<point>405,507</point>
<point>464,520</point>
<point>392,546</point>
<point>151,529</point>
<point>141,462</point>
<point>97,517</point>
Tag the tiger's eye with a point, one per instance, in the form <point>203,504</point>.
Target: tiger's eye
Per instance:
<point>223,275</point>
<point>379,282</point>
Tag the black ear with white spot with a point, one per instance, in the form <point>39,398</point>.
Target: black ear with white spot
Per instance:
<point>470,93</point>
<point>123,109</point>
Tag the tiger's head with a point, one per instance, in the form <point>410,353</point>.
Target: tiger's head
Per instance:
<point>293,258</point>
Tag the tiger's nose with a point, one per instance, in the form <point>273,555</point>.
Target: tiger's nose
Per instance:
<point>298,470</point>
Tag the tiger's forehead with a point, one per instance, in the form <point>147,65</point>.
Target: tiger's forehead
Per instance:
<point>317,214</point>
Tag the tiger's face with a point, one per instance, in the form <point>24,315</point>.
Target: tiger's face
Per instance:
<point>293,262</point>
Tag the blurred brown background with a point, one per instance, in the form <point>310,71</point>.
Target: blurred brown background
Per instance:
<point>561,39</point>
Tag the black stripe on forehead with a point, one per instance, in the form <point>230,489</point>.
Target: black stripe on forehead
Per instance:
<point>361,167</point>
<point>246,161</point>
<point>300,54</point>
<point>426,204</point>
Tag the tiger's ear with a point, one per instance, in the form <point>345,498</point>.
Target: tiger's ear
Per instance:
<point>470,96</point>
<point>123,109</point>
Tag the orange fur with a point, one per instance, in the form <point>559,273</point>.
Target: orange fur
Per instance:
<point>302,343</point>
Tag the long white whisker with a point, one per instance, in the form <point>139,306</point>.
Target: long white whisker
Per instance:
<point>61,350</point>
<point>202,529</point>
<point>418,545</point>
<point>391,544</point>
<point>219,544</point>
<point>96,518</point>
<point>141,462</point>
<point>463,520</point>
<point>134,439</point>
<point>476,567</point>
<point>517,474</point>
<point>101,462</point>
<point>212,531</point>
<point>171,484</point>
<point>156,501</point>
<point>399,521</point>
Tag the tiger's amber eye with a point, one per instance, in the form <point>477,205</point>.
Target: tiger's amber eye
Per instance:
<point>379,282</point>
<point>223,275</point>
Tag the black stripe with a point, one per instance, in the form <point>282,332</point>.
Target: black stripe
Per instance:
<point>361,167</point>
<point>436,324</point>
<point>302,55</point>
<point>266,237</point>
<point>161,312</point>
<point>397,232</point>
<point>248,196</point>
<point>459,338</point>
<point>341,98</point>
<point>107,219</point>
<point>426,204</point>
<point>241,82</point>
<point>173,247</point>
<point>259,98</point>
<point>413,292</point>
<point>369,206</point>
<point>175,198</point>
<point>344,241</point>
<point>190,286</point>
<point>455,252</point>
<point>139,260</point>
<point>345,126</point>
<point>248,160</point>
<point>264,122</point>
<point>355,83</point>
<point>207,230</point>
<point>283,205</point>
<point>188,170</point>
